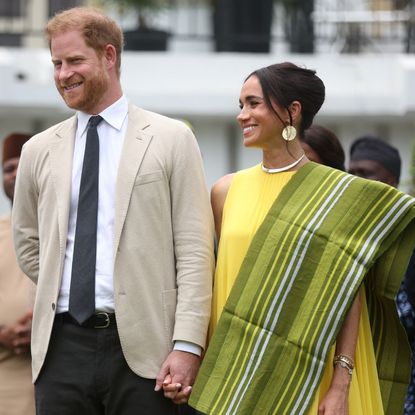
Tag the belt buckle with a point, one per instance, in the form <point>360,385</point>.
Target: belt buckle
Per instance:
<point>107,321</point>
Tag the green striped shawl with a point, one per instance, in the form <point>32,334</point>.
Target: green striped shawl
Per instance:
<point>321,237</point>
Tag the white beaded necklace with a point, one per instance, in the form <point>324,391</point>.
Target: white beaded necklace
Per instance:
<point>281,169</point>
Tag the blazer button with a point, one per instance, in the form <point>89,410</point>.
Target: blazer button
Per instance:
<point>53,306</point>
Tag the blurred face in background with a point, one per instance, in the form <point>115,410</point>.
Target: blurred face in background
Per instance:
<point>372,170</point>
<point>9,176</point>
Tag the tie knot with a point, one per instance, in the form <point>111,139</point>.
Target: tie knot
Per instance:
<point>94,121</point>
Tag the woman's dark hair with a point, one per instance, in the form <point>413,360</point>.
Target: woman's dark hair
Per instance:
<point>285,82</point>
<point>326,144</point>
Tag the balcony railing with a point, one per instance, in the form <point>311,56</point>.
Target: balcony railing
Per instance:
<point>315,26</point>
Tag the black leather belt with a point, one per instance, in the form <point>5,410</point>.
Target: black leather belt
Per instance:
<point>100,320</point>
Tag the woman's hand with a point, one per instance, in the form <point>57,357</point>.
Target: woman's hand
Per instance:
<point>177,375</point>
<point>336,400</point>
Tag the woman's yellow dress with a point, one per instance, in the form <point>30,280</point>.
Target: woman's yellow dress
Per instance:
<point>249,198</point>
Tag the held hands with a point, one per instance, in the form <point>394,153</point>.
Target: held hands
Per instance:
<point>177,375</point>
<point>16,337</point>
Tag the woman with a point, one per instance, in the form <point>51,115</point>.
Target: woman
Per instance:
<point>296,240</point>
<point>323,146</point>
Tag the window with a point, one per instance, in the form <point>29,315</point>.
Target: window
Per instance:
<point>59,5</point>
<point>10,8</point>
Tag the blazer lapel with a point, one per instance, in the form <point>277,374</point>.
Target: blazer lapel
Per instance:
<point>61,155</point>
<point>135,145</point>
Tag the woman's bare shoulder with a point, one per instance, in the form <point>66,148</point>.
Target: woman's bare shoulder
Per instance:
<point>221,186</point>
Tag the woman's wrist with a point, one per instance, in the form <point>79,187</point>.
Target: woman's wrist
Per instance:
<point>340,383</point>
<point>343,369</point>
<point>345,362</point>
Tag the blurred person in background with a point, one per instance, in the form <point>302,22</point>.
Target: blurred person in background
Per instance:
<point>374,159</point>
<point>16,302</point>
<point>322,145</point>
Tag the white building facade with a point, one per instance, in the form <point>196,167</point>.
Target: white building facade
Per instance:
<point>365,93</point>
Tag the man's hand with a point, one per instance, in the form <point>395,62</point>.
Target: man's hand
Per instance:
<point>16,337</point>
<point>177,375</point>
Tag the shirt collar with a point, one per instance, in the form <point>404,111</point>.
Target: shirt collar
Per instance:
<point>114,115</point>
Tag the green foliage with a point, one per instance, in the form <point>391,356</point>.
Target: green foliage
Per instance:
<point>145,9</point>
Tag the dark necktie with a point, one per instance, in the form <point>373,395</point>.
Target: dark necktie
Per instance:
<point>82,292</point>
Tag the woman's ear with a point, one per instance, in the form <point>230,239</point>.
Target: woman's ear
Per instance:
<point>295,111</point>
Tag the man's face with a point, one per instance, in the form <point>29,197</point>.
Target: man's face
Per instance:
<point>372,170</point>
<point>9,176</point>
<point>81,76</point>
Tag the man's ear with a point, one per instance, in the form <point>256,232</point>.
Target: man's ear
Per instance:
<point>110,55</point>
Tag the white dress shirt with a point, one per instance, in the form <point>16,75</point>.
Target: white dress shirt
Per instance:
<point>111,132</point>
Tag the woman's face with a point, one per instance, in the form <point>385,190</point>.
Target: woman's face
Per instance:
<point>260,126</point>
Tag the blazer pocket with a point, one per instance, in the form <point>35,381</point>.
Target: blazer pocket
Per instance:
<point>148,178</point>
<point>169,310</point>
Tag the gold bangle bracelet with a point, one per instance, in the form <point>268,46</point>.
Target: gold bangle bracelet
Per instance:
<point>344,365</point>
<point>346,359</point>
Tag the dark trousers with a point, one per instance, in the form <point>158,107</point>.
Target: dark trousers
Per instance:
<point>85,373</point>
<point>188,410</point>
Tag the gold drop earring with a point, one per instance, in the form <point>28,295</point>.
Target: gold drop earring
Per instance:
<point>289,133</point>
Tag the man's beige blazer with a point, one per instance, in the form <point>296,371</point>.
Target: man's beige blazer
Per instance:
<point>163,236</point>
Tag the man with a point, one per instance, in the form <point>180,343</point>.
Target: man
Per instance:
<point>143,225</point>
<point>16,292</point>
<point>374,159</point>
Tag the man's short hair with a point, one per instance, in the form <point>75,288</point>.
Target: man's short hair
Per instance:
<point>97,29</point>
